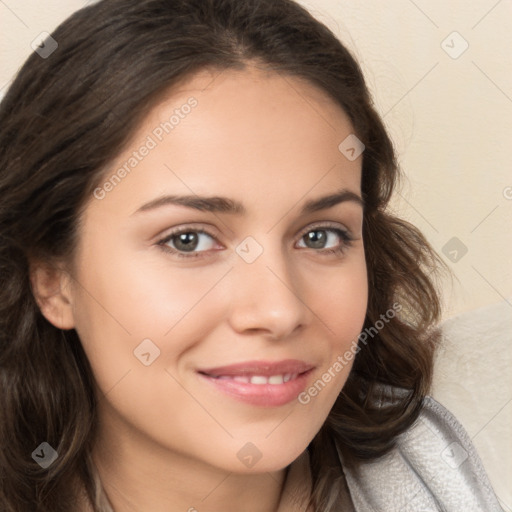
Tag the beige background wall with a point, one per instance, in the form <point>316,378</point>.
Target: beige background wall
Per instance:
<point>441,75</point>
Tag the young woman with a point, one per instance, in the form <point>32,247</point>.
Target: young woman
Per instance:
<point>205,305</point>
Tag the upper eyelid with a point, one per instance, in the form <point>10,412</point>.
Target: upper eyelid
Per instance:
<point>186,229</point>
<point>325,224</point>
<point>201,229</point>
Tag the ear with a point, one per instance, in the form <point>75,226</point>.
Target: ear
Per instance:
<point>51,287</point>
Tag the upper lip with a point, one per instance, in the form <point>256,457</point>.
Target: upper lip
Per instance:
<point>265,368</point>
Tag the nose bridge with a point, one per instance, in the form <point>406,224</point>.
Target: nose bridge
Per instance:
<point>267,294</point>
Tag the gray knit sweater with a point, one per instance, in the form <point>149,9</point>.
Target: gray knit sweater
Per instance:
<point>433,468</point>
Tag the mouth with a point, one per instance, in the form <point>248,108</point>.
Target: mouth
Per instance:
<point>258,379</point>
<point>264,384</point>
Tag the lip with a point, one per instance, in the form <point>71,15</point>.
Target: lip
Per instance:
<point>266,368</point>
<point>263,395</point>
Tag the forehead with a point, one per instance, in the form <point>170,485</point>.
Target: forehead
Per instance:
<point>253,101</point>
<point>240,132</point>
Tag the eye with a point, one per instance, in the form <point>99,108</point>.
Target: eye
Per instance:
<point>191,241</point>
<point>326,239</point>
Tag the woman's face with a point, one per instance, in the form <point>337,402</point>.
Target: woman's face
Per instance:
<point>172,282</point>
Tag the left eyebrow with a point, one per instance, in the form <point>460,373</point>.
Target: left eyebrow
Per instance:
<point>329,201</point>
<point>218,204</point>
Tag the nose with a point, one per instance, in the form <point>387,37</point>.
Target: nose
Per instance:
<point>266,297</point>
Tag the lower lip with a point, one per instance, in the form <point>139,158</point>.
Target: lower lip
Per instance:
<point>264,395</point>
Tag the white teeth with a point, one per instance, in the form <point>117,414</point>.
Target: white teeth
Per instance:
<point>261,379</point>
<point>241,378</point>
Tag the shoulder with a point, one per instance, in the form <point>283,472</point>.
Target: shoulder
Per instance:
<point>433,467</point>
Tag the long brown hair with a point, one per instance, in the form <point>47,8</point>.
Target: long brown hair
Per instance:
<point>67,116</point>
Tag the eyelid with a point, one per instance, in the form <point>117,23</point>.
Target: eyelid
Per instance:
<point>185,228</point>
<point>200,228</point>
<point>335,226</point>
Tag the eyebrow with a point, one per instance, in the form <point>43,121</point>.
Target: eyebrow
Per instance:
<point>218,204</point>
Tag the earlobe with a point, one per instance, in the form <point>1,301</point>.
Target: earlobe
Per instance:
<point>52,292</point>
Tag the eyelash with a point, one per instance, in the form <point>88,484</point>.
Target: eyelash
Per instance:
<point>346,240</point>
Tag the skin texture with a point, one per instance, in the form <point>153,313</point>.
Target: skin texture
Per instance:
<point>166,437</point>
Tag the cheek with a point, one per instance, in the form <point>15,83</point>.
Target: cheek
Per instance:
<point>122,301</point>
<point>341,309</point>
<point>127,314</point>
<point>340,299</point>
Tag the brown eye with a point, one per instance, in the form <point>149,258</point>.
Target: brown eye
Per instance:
<point>315,239</point>
<point>189,241</point>
<point>185,241</point>
<point>325,238</point>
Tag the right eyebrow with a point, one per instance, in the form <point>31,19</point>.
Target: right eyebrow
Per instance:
<point>214,204</point>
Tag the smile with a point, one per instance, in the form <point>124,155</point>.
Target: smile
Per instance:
<point>259,390</point>
<point>260,379</point>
